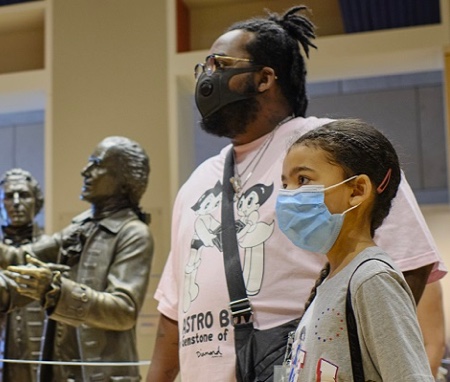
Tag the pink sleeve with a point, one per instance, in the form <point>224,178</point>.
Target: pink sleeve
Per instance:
<point>405,236</point>
<point>167,291</point>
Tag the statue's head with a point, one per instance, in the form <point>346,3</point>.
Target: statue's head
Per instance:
<point>118,169</point>
<point>21,197</point>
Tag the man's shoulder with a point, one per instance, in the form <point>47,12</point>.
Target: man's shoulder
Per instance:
<point>208,171</point>
<point>304,124</point>
<point>214,160</point>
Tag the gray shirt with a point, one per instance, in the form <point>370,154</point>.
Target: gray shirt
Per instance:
<point>389,335</point>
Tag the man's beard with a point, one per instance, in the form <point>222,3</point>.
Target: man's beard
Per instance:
<point>233,119</point>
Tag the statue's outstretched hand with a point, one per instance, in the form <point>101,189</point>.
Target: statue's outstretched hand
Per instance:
<point>34,279</point>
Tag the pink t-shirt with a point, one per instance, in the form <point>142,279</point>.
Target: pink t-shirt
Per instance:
<point>278,275</point>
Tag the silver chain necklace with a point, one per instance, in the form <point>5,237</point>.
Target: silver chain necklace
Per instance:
<point>236,180</point>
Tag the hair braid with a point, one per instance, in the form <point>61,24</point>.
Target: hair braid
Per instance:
<point>380,156</point>
<point>322,276</point>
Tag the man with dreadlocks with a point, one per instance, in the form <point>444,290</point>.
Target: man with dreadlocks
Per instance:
<point>251,89</point>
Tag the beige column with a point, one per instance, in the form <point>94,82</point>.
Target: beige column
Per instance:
<point>107,68</point>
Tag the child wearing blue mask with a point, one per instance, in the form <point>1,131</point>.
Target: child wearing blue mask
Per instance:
<point>338,184</point>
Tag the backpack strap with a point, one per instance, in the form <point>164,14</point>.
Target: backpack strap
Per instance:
<point>239,302</point>
<point>352,329</point>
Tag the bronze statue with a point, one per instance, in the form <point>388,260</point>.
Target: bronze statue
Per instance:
<point>93,307</point>
<point>21,200</point>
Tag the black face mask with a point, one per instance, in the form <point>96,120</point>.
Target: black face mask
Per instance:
<point>212,92</point>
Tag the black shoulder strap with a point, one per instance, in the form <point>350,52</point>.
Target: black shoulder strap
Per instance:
<point>239,302</point>
<point>352,329</point>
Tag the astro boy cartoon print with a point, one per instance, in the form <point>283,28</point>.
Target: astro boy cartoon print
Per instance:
<point>251,235</point>
<point>207,234</point>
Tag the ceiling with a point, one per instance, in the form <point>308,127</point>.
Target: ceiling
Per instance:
<point>338,16</point>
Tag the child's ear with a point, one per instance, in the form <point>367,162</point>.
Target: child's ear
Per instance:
<point>267,78</point>
<point>362,190</point>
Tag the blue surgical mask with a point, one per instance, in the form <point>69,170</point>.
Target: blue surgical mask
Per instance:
<point>305,219</point>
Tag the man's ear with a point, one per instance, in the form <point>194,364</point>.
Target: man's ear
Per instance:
<point>267,79</point>
<point>362,190</point>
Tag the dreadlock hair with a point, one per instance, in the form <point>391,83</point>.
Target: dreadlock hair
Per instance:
<point>360,148</point>
<point>277,44</point>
